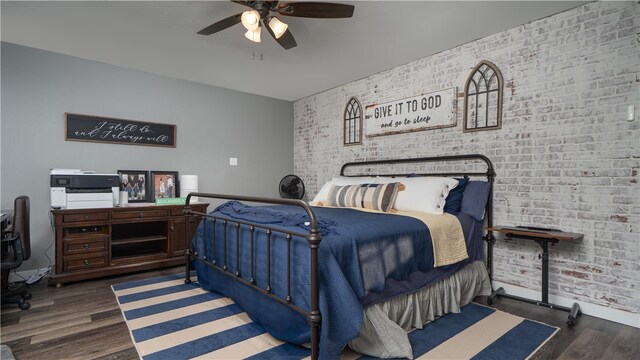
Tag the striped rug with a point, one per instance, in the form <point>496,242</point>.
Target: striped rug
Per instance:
<point>169,319</point>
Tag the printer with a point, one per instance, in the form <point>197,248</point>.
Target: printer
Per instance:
<point>77,189</point>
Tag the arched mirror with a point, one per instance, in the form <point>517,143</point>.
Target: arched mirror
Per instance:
<point>353,122</point>
<point>483,98</point>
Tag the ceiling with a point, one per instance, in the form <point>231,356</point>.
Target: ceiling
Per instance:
<point>160,37</point>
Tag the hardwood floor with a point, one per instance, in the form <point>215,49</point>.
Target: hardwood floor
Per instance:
<point>590,338</point>
<point>83,321</point>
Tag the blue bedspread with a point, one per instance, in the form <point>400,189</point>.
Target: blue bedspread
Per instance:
<point>364,258</point>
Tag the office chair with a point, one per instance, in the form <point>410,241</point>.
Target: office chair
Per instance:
<point>16,248</point>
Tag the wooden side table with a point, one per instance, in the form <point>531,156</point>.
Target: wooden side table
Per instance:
<point>543,237</point>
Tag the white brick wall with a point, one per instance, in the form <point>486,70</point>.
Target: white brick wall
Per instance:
<point>565,157</point>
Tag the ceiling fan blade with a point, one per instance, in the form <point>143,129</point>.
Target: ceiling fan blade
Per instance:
<point>221,25</point>
<point>315,10</point>
<point>286,40</point>
<point>241,2</point>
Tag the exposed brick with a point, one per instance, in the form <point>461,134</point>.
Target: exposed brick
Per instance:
<point>565,156</point>
<point>576,274</point>
<point>619,218</point>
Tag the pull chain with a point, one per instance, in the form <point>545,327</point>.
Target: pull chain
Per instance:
<point>253,50</point>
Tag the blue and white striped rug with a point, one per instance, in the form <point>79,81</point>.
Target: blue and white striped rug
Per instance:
<point>169,319</point>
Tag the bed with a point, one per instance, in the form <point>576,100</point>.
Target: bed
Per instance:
<point>328,275</point>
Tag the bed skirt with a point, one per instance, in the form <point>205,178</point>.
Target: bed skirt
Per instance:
<point>386,324</point>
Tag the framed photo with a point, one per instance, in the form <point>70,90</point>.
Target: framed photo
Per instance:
<point>164,184</point>
<point>135,183</point>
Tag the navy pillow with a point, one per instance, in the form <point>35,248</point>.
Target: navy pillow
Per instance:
<point>454,199</point>
<point>475,199</point>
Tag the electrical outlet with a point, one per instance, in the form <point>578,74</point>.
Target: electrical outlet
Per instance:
<point>631,113</point>
<point>233,161</point>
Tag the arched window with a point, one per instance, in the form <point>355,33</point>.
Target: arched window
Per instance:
<point>483,98</point>
<point>353,122</point>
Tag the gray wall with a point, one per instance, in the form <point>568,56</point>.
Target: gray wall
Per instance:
<point>213,124</point>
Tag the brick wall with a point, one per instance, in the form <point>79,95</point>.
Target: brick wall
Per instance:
<point>565,157</point>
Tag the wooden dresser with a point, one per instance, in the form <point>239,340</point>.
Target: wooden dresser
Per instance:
<point>92,243</point>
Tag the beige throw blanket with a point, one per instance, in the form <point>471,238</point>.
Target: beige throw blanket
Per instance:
<point>449,245</point>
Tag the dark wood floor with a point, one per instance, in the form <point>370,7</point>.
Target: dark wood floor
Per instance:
<point>82,321</point>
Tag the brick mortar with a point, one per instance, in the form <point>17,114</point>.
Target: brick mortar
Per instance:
<point>565,156</point>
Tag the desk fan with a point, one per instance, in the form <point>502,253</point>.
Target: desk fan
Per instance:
<point>291,187</point>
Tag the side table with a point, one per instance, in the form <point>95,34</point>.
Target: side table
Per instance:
<point>542,237</point>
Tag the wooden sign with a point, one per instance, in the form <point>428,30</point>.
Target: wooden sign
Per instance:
<point>118,131</point>
<point>428,111</point>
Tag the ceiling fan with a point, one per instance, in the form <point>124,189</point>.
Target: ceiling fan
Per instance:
<point>260,16</point>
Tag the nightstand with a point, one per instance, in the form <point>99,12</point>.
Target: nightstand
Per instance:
<point>542,237</point>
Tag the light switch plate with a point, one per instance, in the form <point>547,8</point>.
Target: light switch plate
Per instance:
<point>233,161</point>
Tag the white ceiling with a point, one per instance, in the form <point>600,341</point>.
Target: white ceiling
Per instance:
<point>160,37</point>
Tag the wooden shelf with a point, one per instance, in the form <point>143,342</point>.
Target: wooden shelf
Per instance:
<point>139,239</point>
<point>536,232</point>
<point>142,255</point>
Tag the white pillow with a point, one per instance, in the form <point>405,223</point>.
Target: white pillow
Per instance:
<point>323,193</point>
<point>424,194</point>
<point>353,180</point>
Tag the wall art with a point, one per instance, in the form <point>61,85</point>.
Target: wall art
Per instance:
<point>433,110</point>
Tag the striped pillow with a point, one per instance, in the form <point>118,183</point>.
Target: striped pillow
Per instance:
<point>368,196</point>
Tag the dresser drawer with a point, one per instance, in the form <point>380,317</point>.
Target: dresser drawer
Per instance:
<point>85,245</point>
<point>85,217</point>
<point>85,261</point>
<point>140,214</point>
<point>177,211</point>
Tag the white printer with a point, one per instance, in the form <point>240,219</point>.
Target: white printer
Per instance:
<point>77,189</point>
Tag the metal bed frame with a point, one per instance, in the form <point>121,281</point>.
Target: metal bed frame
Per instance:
<point>313,237</point>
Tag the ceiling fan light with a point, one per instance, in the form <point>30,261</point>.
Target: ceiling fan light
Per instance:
<point>250,19</point>
<point>253,35</point>
<point>278,27</point>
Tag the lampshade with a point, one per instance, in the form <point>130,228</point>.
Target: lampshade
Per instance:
<point>277,26</point>
<point>253,35</point>
<point>250,19</point>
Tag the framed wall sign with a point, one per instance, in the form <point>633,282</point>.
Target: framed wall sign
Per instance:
<point>118,131</point>
<point>423,112</point>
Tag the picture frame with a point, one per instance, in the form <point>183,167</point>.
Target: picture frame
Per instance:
<point>164,184</point>
<point>136,183</point>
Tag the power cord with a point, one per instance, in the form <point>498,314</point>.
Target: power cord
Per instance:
<point>40,274</point>
<point>18,275</point>
<point>35,278</point>
<point>53,240</point>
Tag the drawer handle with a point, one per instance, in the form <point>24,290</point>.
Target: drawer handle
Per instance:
<point>86,262</point>
<point>141,214</point>
<point>86,246</point>
<point>86,217</point>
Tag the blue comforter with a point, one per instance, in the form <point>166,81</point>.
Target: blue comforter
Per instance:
<point>364,258</point>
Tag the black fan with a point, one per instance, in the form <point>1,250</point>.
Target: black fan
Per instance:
<point>291,187</point>
<point>263,9</point>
